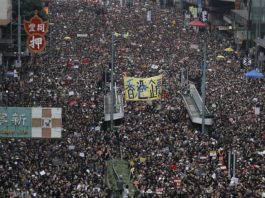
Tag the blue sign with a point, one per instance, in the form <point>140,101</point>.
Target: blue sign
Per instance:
<point>15,122</point>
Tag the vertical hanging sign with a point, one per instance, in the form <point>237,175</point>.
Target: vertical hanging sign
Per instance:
<point>36,29</point>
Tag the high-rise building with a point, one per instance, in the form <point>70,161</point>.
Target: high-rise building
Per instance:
<point>5,20</point>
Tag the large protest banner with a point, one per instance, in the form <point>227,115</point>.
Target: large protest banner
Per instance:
<point>35,122</point>
<point>142,88</point>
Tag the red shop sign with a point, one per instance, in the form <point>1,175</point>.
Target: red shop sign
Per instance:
<point>36,43</point>
<point>36,26</point>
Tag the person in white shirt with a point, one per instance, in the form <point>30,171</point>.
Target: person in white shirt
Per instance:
<point>125,193</point>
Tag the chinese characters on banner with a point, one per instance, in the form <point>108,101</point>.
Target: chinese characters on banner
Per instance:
<point>36,43</point>
<point>143,88</point>
<point>25,122</point>
<point>36,29</point>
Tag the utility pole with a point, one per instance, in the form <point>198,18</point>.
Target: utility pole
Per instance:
<point>203,25</point>
<point>234,163</point>
<point>19,35</point>
<point>258,18</point>
<point>203,82</point>
<point>229,164</point>
<point>248,26</point>
<point>112,82</point>
<point>199,7</point>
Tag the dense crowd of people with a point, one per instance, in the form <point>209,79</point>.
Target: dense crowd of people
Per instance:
<point>157,138</point>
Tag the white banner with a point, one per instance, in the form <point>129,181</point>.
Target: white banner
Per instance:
<point>81,35</point>
<point>257,110</point>
<point>149,15</point>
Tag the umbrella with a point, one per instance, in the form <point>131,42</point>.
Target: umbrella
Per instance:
<point>254,74</point>
<point>220,57</point>
<point>67,38</point>
<point>229,49</point>
<point>197,23</point>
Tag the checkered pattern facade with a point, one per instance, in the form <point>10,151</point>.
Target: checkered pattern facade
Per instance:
<point>46,122</point>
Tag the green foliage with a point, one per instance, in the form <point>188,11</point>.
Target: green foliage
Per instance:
<point>111,175</point>
<point>121,168</point>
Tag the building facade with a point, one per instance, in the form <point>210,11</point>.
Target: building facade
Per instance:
<point>5,21</point>
<point>244,20</point>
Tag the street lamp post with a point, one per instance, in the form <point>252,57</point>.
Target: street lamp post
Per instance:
<point>19,35</point>
<point>199,24</point>
<point>249,26</point>
<point>112,82</point>
<point>112,89</point>
<point>6,97</point>
<point>229,164</point>
<point>203,83</point>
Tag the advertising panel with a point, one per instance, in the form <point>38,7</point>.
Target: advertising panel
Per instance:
<point>26,122</point>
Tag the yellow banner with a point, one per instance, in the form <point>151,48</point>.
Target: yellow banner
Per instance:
<point>143,88</point>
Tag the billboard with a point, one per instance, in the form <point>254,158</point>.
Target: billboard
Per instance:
<point>27,122</point>
<point>5,12</point>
